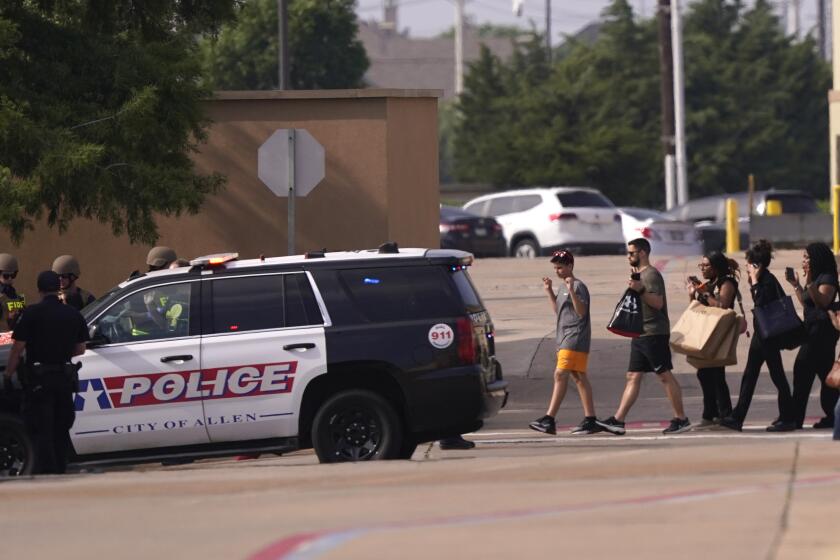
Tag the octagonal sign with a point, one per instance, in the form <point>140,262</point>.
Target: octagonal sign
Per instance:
<point>273,162</point>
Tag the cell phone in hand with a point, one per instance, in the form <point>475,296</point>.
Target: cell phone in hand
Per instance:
<point>789,274</point>
<point>694,280</point>
<point>635,276</point>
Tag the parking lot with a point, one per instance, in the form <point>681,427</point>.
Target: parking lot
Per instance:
<point>518,493</point>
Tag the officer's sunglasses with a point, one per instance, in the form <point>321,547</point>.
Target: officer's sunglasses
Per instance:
<point>7,276</point>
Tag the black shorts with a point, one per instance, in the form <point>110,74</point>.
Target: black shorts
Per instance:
<point>650,353</point>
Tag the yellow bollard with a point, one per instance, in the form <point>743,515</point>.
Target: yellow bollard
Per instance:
<point>773,208</point>
<point>835,209</point>
<point>733,233</point>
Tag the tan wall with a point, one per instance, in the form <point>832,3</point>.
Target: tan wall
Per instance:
<point>833,133</point>
<point>381,183</point>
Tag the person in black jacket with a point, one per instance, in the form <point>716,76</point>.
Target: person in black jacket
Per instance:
<point>51,333</point>
<point>765,288</point>
<point>816,355</point>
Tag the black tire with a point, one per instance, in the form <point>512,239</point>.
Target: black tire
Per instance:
<point>17,454</point>
<point>526,249</point>
<point>356,425</point>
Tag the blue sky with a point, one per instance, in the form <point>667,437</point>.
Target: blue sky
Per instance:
<point>426,18</point>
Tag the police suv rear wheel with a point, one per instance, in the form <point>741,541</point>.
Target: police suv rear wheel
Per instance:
<point>356,425</point>
<point>16,452</point>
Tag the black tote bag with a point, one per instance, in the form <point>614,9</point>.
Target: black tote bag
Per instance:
<point>627,319</point>
<point>779,323</point>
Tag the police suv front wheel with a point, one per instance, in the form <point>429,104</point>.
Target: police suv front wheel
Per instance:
<point>356,425</point>
<point>16,452</point>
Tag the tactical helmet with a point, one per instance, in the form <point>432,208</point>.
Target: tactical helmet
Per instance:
<point>8,263</point>
<point>160,256</point>
<point>66,264</point>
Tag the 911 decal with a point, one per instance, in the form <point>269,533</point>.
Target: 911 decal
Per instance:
<point>173,387</point>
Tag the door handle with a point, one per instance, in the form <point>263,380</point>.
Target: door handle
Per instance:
<point>180,359</point>
<point>300,346</point>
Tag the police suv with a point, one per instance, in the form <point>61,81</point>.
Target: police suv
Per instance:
<point>360,355</point>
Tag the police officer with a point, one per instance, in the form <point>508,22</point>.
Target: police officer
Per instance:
<point>11,303</point>
<point>68,270</point>
<point>51,334</point>
<point>160,257</point>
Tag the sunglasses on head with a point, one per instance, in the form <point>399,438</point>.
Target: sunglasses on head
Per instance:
<point>9,276</point>
<point>561,256</point>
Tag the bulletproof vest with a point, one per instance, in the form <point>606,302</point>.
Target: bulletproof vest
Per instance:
<point>78,298</point>
<point>11,304</point>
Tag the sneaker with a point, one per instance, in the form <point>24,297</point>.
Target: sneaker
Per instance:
<point>456,442</point>
<point>781,427</point>
<point>731,423</point>
<point>678,425</point>
<point>545,425</point>
<point>824,423</point>
<point>612,425</point>
<point>706,424</point>
<point>588,426</point>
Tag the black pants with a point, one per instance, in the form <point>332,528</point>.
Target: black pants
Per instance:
<point>759,353</point>
<point>815,359</point>
<point>49,414</point>
<point>716,400</point>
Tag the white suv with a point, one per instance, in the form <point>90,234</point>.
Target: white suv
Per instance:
<point>538,221</point>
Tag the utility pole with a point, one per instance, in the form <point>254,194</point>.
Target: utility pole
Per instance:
<point>821,42</point>
<point>459,47</point>
<point>548,29</point>
<point>792,24</point>
<point>666,95</point>
<point>389,21</point>
<point>679,102</point>
<point>282,45</point>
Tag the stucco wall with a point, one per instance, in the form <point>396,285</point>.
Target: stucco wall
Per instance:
<point>381,183</point>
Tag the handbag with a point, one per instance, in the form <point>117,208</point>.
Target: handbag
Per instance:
<point>701,330</point>
<point>779,321</point>
<point>627,318</point>
<point>727,352</point>
<point>833,377</point>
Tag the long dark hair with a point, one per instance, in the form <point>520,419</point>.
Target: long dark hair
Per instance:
<point>722,266</point>
<point>760,253</point>
<point>821,260</point>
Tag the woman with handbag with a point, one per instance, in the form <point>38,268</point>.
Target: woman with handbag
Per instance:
<point>765,289</point>
<point>816,355</point>
<point>718,290</point>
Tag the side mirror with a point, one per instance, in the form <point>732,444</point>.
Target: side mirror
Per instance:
<point>97,338</point>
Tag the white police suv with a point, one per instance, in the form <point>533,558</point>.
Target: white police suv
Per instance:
<point>361,355</point>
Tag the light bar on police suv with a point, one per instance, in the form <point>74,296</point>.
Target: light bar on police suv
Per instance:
<point>217,259</point>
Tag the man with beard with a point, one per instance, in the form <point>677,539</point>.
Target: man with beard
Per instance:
<point>650,351</point>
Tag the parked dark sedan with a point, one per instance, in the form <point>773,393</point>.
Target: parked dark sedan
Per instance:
<point>481,236</point>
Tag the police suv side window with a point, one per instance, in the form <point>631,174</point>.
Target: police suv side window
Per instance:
<point>269,301</point>
<point>151,314</point>
<point>301,307</point>
<point>404,293</point>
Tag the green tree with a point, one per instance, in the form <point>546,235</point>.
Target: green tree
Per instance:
<point>481,144</point>
<point>324,50</point>
<point>756,103</point>
<point>100,110</point>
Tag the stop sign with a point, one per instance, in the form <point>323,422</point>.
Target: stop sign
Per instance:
<point>273,162</point>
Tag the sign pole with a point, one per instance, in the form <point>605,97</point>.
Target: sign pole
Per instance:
<point>291,196</point>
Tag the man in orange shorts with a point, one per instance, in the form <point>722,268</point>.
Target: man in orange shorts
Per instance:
<point>574,335</point>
